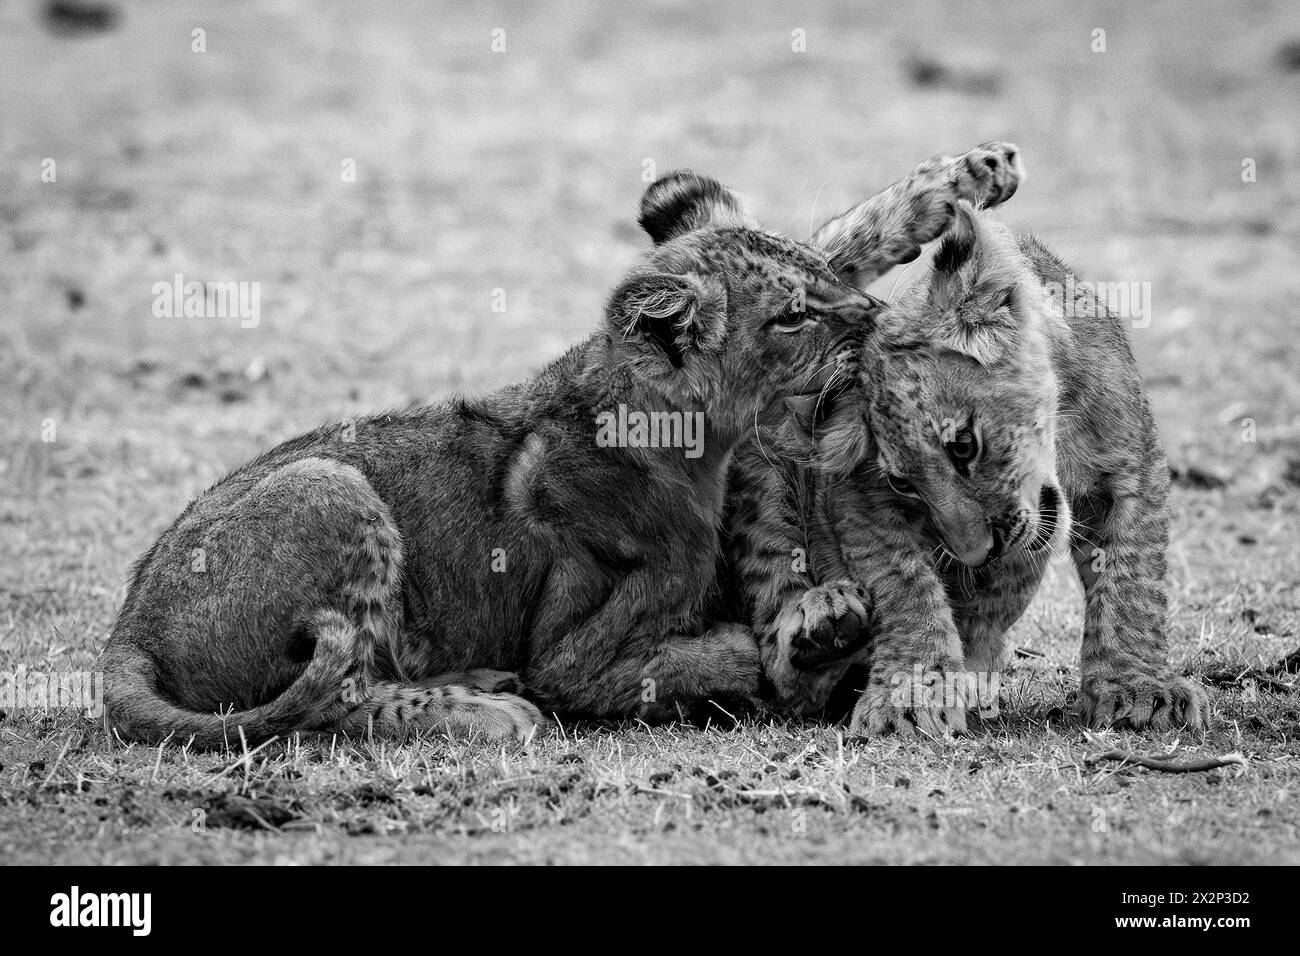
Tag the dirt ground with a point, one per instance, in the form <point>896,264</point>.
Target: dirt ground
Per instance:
<point>1169,159</point>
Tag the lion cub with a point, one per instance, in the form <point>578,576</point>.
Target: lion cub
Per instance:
<point>993,427</point>
<point>395,573</point>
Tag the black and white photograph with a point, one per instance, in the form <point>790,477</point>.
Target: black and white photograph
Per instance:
<point>650,433</point>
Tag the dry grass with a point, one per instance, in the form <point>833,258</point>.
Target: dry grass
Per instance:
<point>520,171</point>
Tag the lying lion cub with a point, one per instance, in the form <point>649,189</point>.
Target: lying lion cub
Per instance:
<point>381,576</point>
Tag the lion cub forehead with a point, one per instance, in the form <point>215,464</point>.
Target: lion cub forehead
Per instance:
<point>748,251</point>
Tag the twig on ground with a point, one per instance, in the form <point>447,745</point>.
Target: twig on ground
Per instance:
<point>664,793</point>
<point>1165,762</point>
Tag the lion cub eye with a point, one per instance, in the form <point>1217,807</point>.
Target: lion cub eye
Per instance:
<point>793,321</point>
<point>963,449</point>
<point>902,486</point>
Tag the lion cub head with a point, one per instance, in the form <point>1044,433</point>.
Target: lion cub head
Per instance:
<point>960,398</point>
<point>726,318</point>
<point>964,396</point>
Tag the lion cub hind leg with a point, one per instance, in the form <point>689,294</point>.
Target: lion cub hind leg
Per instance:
<point>275,587</point>
<point>459,711</point>
<point>480,678</point>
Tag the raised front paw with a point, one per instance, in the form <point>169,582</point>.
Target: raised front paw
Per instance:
<point>831,624</point>
<point>989,174</point>
<point>1143,703</point>
<point>888,709</point>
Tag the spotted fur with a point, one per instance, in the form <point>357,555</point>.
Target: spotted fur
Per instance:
<point>950,548</point>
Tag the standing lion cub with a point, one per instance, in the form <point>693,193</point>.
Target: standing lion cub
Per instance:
<point>992,427</point>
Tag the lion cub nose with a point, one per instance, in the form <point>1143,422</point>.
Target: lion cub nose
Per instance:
<point>980,551</point>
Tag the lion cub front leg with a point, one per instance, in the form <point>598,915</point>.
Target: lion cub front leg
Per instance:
<point>1119,552</point>
<point>815,639</point>
<point>831,624</point>
<point>805,631</point>
<point>635,655</point>
<point>890,227</point>
<point>917,679</point>
<point>719,667</point>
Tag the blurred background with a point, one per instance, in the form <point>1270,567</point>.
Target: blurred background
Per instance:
<point>505,146</point>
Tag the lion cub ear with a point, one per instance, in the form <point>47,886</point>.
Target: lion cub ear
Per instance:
<point>683,201</point>
<point>670,317</point>
<point>959,242</point>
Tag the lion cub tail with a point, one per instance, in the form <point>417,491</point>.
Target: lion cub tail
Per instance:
<point>137,709</point>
